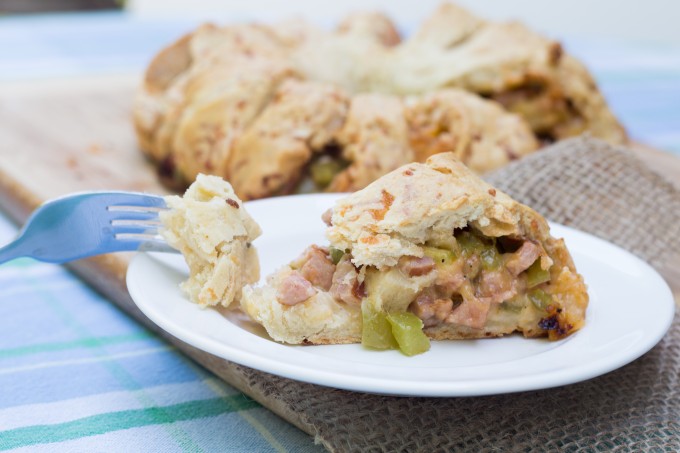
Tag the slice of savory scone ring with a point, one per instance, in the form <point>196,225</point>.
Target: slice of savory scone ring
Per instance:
<point>212,229</point>
<point>427,250</point>
<point>497,269</point>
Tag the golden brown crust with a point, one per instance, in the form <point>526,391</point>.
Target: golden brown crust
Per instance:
<point>582,95</point>
<point>480,133</point>
<point>374,26</point>
<point>418,203</point>
<point>531,75</point>
<point>163,70</point>
<point>220,104</point>
<point>426,200</point>
<point>301,118</point>
<point>374,139</point>
<point>383,132</point>
<point>190,80</point>
<point>447,26</point>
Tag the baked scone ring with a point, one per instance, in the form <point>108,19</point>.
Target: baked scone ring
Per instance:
<point>233,102</point>
<point>289,108</point>
<point>268,132</point>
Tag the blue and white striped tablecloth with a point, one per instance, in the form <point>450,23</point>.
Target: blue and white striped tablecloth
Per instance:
<point>77,374</point>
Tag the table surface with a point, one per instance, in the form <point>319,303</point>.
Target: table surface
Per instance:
<point>79,375</point>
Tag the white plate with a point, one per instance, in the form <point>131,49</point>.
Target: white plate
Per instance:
<point>630,310</point>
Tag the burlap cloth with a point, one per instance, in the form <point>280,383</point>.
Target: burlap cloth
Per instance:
<point>596,188</point>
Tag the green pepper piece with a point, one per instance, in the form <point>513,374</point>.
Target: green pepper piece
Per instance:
<point>540,299</point>
<point>536,275</point>
<point>469,243</point>
<point>407,329</point>
<point>336,255</point>
<point>491,259</point>
<point>376,329</point>
<point>323,171</point>
<point>440,256</point>
<point>507,306</point>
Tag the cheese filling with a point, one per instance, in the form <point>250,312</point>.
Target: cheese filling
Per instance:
<point>468,280</point>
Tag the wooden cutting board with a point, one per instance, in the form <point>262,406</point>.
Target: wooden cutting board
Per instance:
<point>72,135</point>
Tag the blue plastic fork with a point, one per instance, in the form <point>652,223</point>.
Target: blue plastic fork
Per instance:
<point>87,224</point>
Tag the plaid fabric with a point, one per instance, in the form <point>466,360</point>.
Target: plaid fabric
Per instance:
<point>76,374</point>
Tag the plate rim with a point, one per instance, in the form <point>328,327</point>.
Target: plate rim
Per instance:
<point>371,384</point>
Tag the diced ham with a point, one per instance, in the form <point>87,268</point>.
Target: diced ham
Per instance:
<point>298,262</point>
<point>318,269</point>
<point>422,305</point>
<point>524,257</point>
<point>430,309</point>
<point>415,267</point>
<point>472,266</point>
<point>326,216</point>
<point>442,309</point>
<point>471,313</point>
<point>496,286</point>
<point>294,289</point>
<point>346,287</point>
<point>449,278</point>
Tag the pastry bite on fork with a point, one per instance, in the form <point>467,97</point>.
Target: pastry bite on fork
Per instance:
<point>214,232</point>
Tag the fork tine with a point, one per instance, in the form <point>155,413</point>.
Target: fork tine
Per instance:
<point>117,230</point>
<point>143,242</point>
<point>131,208</point>
<point>139,237</point>
<point>128,199</point>
<point>148,223</point>
<point>156,246</point>
<point>115,214</point>
<point>84,224</point>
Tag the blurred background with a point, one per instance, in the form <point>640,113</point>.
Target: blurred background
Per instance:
<point>37,6</point>
<point>632,47</point>
<point>648,21</point>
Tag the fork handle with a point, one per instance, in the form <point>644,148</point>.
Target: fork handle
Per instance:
<point>13,250</point>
